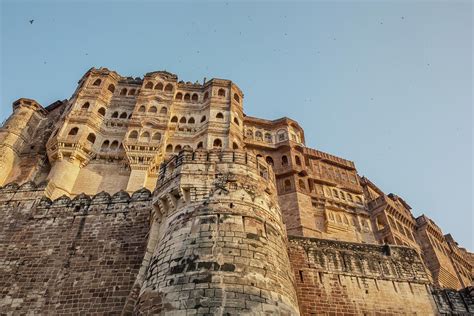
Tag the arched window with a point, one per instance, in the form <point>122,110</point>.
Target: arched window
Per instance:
<point>179,96</point>
<point>101,111</point>
<point>156,136</point>
<point>335,193</point>
<point>219,116</point>
<point>123,115</point>
<point>149,85</point>
<point>132,92</point>
<point>235,146</point>
<point>269,160</point>
<point>191,120</point>
<point>221,92</point>
<point>177,148</point>
<point>217,143</point>
<point>159,86</point>
<point>142,109</point>
<point>114,145</point>
<point>85,105</point>
<point>163,110</point>
<point>187,97</point>
<point>206,96</point>
<point>182,120</point>
<point>258,135</point>
<point>199,145</point>
<point>236,121</point>
<point>73,131</point>
<point>97,82</point>
<point>111,88</point>
<point>169,87</point>
<point>174,119</point>
<point>298,160</point>
<point>236,97</point>
<point>203,119</point>
<point>249,133</point>
<point>195,97</point>
<point>153,109</point>
<point>91,137</point>
<point>133,135</point>
<point>287,185</point>
<point>268,137</point>
<point>145,137</point>
<point>169,148</point>
<point>105,145</point>
<point>123,91</point>
<point>115,114</point>
<point>284,161</point>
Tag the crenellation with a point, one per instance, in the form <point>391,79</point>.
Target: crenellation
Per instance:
<point>157,196</point>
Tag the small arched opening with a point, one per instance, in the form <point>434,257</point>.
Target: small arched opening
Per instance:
<point>73,131</point>
<point>91,138</point>
<point>217,143</point>
<point>149,85</point>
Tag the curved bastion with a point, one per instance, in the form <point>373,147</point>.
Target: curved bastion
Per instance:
<point>220,243</point>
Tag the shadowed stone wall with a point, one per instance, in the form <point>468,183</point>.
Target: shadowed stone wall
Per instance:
<point>69,256</point>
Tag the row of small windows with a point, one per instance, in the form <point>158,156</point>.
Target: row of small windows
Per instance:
<point>124,115</point>
<point>145,136</point>
<point>281,136</point>
<point>111,88</point>
<point>159,86</point>
<point>106,145</point>
<point>153,109</point>
<point>168,88</point>
<point>217,143</point>
<point>344,196</point>
<point>188,97</point>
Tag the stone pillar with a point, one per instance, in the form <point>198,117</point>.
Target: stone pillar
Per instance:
<point>221,246</point>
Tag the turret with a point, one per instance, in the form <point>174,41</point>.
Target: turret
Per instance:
<point>217,239</point>
<point>16,133</point>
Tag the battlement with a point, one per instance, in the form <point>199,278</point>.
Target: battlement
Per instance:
<point>170,168</point>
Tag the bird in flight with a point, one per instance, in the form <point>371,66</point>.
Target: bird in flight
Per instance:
<point>31,21</point>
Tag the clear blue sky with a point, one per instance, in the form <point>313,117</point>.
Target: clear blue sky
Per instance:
<point>387,85</point>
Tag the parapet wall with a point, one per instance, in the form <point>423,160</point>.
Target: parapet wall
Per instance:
<point>69,256</point>
<point>351,278</point>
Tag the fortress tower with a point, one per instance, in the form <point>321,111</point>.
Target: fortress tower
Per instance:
<point>219,239</point>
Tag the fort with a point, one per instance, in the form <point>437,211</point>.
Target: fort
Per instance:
<point>157,196</point>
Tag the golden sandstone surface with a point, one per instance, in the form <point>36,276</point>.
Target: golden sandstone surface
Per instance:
<point>157,196</point>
